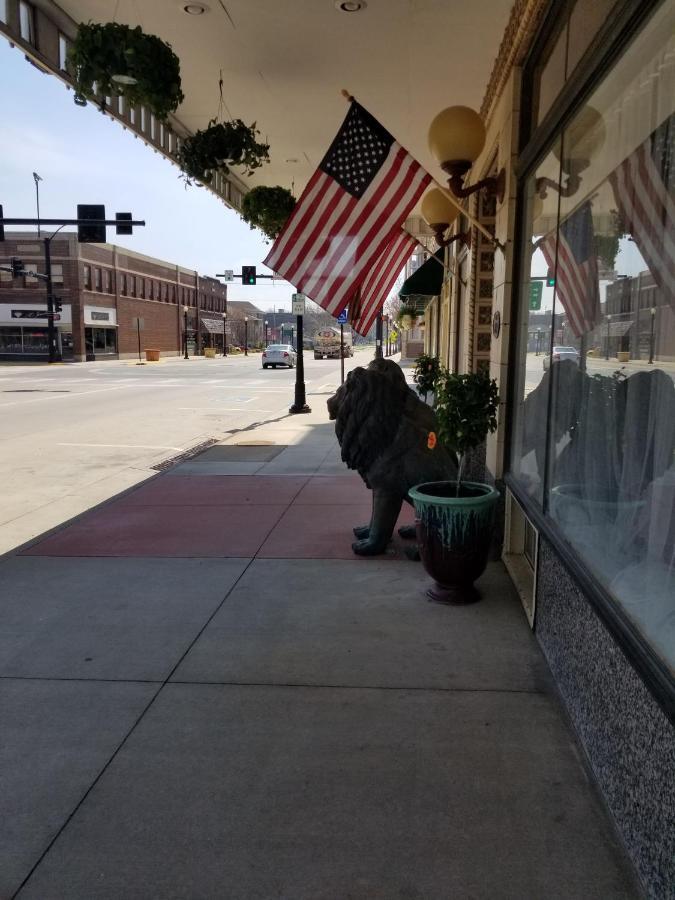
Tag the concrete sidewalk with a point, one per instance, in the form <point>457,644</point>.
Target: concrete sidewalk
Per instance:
<point>206,695</point>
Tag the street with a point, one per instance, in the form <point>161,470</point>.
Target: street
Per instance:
<point>75,435</point>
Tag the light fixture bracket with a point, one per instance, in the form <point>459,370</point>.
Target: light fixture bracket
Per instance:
<point>456,169</point>
<point>439,229</point>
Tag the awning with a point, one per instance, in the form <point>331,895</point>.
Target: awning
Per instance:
<point>213,326</point>
<point>618,329</point>
<point>426,282</point>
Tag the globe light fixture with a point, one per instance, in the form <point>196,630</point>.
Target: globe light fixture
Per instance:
<point>456,140</point>
<point>439,214</point>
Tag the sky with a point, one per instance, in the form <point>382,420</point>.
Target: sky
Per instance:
<point>84,156</point>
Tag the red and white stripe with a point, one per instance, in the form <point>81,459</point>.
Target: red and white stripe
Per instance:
<point>649,213</point>
<point>333,239</point>
<point>375,287</point>
<point>576,284</point>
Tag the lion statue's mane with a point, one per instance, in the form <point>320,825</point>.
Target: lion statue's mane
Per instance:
<point>383,429</point>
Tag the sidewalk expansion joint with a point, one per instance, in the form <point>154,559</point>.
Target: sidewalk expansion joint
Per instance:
<point>359,687</point>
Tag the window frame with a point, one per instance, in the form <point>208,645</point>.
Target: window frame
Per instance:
<point>597,62</point>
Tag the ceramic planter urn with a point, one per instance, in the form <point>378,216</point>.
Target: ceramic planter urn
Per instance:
<point>454,535</point>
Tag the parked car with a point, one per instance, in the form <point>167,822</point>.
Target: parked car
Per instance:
<point>560,353</point>
<point>279,355</point>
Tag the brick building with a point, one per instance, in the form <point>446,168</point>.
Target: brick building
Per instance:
<point>104,290</point>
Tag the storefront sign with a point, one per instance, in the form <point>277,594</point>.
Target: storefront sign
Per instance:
<point>33,314</point>
<point>94,315</point>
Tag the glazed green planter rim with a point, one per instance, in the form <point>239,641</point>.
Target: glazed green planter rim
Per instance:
<point>488,496</point>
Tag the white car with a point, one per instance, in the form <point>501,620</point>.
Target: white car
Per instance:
<point>279,355</point>
<point>560,353</point>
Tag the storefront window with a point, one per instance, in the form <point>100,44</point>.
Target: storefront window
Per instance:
<point>10,340</point>
<point>594,435</point>
<point>35,340</point>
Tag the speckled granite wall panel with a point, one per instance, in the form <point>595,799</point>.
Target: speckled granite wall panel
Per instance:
<point>629,740</point>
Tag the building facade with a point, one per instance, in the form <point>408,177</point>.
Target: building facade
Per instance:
<point>580,115</point>
<point>115,302</point>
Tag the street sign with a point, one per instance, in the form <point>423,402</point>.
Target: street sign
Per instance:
<point>228,275</point>
<point>536,288</point>
<point>342,318</point>
<point>138,322</point>
<point>298,304</point>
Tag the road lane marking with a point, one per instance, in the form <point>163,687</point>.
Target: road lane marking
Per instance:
<point>64,396</point>
<point>124,446</point>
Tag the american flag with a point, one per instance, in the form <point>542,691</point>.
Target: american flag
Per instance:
<point>370,295</point>
<point>644,187</point>
<point>357,199</point>
<point>576,276</point>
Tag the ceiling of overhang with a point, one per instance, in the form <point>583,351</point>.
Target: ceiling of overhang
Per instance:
<point>284,63</point>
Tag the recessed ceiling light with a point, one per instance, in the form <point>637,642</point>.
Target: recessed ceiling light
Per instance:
<point>350,5</point>
<point>195,9</point>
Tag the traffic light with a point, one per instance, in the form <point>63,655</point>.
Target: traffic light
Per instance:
<point>122,227</point>
<point>248,274</point>
<point>550,278</point>
<point>91,234</point>
<point>58,304</point>
<point>17,267</point>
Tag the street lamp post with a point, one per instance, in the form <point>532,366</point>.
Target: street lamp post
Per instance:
<point>37,179</point>
<point>266,324</point>
<point>224,334</point>
<point>609,319</point>
<point>652,312</point>
<point>185,331</point>
<point>538,347</point>
<point>245,335</point>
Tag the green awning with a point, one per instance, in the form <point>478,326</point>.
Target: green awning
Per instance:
<point>426,282</point>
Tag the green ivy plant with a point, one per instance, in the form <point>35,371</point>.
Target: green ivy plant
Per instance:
<point>121,60</point>
<point>466,411</point>
<point>268,209</point>
<point>426,373</point>
<point>219,146</point>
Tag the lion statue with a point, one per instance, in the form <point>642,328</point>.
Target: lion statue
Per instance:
<point>388,435</point>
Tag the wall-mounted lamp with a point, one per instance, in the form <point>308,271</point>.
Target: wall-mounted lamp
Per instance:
<point>456,139</point>
<point>439,213</point>
<point>581,140</point>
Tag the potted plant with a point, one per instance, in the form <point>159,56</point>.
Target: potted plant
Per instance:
<point>454,518</point>
<point>407,316</point>
<point>426,373</point>
<point>268,208</point>
<point>116,59</point>
<point>219,146</point>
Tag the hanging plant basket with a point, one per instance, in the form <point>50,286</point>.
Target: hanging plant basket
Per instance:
<point>219,146</point>
<point>268,209</point>
<point>407,316</point>
<point>140,67</point>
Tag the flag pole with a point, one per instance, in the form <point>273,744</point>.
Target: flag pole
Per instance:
<point>476,224</point>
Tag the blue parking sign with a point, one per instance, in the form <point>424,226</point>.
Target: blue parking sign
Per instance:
<point>342,318</point>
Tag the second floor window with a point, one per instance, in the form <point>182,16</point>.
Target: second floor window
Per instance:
<point>87,277</point>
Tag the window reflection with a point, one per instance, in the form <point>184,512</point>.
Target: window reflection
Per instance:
<point>594,436</point>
